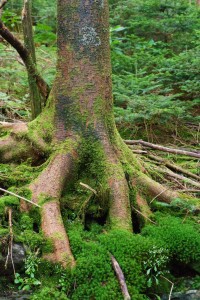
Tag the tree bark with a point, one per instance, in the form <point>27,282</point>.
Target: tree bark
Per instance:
<point>35,96</point>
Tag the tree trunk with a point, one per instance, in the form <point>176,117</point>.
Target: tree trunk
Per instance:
<point>77,133</point>
<point>79,112</point>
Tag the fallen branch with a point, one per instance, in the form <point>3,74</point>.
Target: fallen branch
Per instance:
<point>22,198</point>
<point>121,278</point>
<point>174,167</point>
<point>139,151</point>
<point>180,177</point>
<point>162,148</point>
<point>139,212</point>
<point>88,187</point>
<point>189,191</point>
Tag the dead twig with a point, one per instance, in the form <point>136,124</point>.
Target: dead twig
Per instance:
<point>189,191</point>
<point>159,195</point>
<point>139,212</point>
<point>180,177</point>
<point>10,244</point>
<point>121,278</point>
<point>170,294</point>
<point>22,198</point>
<point>88,187</point>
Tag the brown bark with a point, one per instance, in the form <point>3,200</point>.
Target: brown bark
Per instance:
<point>48,188</point>
<point>83,92</point>
<point>78,114</point>
<point>155,189</point>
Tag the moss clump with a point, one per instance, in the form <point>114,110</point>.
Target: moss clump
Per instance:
<point>49,293</point>
<point>181,239</point>
<point>8,201</point>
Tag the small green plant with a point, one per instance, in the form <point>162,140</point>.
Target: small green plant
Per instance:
<point>155,265</point>
<point>31,266</point>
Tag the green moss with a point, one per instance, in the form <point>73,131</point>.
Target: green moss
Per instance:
<point>25,222</point>
<point>8,201</point>
<point>181,239</point>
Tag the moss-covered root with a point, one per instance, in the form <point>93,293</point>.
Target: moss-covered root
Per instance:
<point>154,189</point>
<point>46,190</point>
<point>120,210</point>
<point>12,150</point>
<point>143,209</point>
<point>17,144</point>
<point>53,229</point>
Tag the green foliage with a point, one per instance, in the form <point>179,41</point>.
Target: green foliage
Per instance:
<point>29,281</point>
<point>44,34</point>
<point>49,293</point>
<point>153,266</point>
<point>182,240</point>
<point>32,239</point>
<point>155,58</point>
<point>8,201</point>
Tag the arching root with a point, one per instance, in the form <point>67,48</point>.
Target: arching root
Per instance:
<point>47,190</point>
<point>19,144</point>
<point>155,189</point>
<point>143,209</point>
<point>119,206</point>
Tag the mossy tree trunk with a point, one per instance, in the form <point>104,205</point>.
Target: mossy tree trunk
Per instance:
<point>76,130</point>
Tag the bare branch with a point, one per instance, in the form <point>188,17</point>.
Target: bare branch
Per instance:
<point>88,187</point>
<point>162,148</point>
<point>22,198</point>
<point>121,278</point>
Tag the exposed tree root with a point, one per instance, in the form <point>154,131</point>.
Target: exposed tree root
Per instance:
<point>53,228</point>
<point>119,208</point>
<point>145,211</point>
<point>13,150</point>
<point>155,189</point>
<point>47,188</point>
